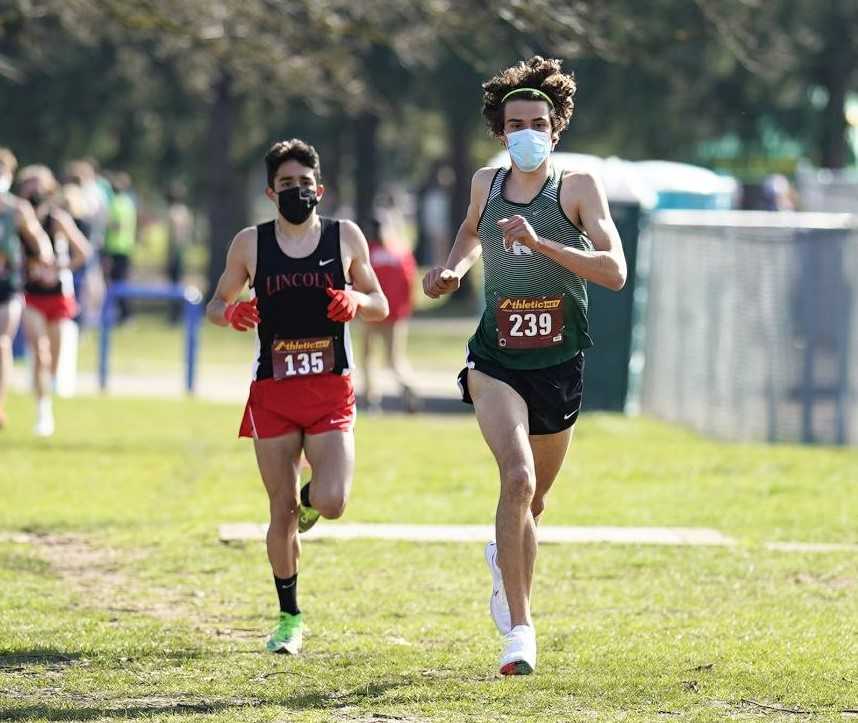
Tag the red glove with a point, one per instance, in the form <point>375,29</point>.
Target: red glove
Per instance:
<point>242,315</point>
<point>343,307</point>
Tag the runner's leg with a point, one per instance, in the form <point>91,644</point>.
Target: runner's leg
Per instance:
<point>54,334</point>
<point>332,457</point>
<point>10,316</point>
<point>278,459</point>
<point>370,333</point>
<point>503,419</point>
<point>396,345</point>
<point>549,451</point>
<point>35,328</point>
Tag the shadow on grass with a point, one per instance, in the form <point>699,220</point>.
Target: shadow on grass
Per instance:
<point>23,659</point>
<point>110,712</point>
<point>324,700</point>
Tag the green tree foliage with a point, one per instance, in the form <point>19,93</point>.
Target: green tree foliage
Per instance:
<point>199,88</point>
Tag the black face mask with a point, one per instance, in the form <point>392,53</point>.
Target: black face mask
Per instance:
<point>296,204</point>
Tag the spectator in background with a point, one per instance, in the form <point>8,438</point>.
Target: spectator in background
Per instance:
<point>49,288</point>
<point>180,233</point>
<point>74,203</point>
<point>434,216</point>
<point>778,193</point>
<point>17,222</point>
<point>395,267</point>
<point>120,235</point>
<point>92,204</point>
<point>95,201</point>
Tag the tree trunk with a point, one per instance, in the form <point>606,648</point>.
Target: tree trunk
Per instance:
<point>333,168</point>
<point>459,139</point>
<point>227,188</point>
<point>365,168</point>
<point>835,146</point>
<point>837,67</point>
<point>459,142</point>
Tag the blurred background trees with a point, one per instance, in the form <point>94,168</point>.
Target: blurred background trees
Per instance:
<point>389,90</point>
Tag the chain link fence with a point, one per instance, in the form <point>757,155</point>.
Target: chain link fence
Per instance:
<point>750,325</point>
<point>831,191</point>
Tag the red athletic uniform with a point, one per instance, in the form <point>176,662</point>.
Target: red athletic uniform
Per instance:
<point>50,291</point>
<point>395,271</point>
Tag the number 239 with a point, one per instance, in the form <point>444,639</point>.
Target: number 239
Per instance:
<point>530,324</point>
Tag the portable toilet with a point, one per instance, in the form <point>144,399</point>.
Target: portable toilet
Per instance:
<point>683,186</point>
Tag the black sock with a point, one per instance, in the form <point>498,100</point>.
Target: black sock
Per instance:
<point>287,591</point>
<point>305,495</point>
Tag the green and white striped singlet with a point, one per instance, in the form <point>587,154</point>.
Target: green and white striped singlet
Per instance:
<point>520,274</point>
<point>10,250</point>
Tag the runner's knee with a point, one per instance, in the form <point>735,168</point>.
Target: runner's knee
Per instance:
<point>517,484</point>
<point>42,352</point>
<point>284,512</point>
<point>330,504</point>
<point>282,525</point>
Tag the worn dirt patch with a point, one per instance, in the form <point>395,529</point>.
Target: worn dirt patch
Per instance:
<point>832,582</point>
<point>101,575</point>
<point>105,579</point>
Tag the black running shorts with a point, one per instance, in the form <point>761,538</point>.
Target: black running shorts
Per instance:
<point>553,394</point>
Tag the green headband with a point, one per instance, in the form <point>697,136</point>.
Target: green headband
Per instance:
<point>529,90</point>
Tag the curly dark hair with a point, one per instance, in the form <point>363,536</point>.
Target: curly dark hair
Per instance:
<point>539,73</point>
<point>291,150</point>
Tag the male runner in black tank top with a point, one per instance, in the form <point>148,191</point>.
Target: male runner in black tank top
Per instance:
<point>310,276</point>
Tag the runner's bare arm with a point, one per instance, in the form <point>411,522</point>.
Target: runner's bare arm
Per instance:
<point>240,265</point>
<point>79,247</point>
<point>372,303</point>
<point>582,197</point>
<point>466,249</point>
<point>33,233</point>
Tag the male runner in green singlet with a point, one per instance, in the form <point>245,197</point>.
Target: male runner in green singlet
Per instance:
<point>543,235</point>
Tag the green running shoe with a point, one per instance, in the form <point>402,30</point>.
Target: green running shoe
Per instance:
<point>288,636</point>
<point>307,517</point>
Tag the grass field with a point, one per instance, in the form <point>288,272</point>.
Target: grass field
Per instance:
<point>117,602</point>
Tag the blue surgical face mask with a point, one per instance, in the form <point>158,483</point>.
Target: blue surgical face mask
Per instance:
<point>528,148</point>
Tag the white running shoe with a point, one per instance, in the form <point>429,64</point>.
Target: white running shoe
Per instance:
<point>498,605</point>
<point>519,653</point>
<point>44,421</point>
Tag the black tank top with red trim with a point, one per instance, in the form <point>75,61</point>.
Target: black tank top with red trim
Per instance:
<point>296,337</point>
<point>54,281</point>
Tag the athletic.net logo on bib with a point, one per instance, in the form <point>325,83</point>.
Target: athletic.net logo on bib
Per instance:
<point>530,322</point>
<point>302,357</point>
